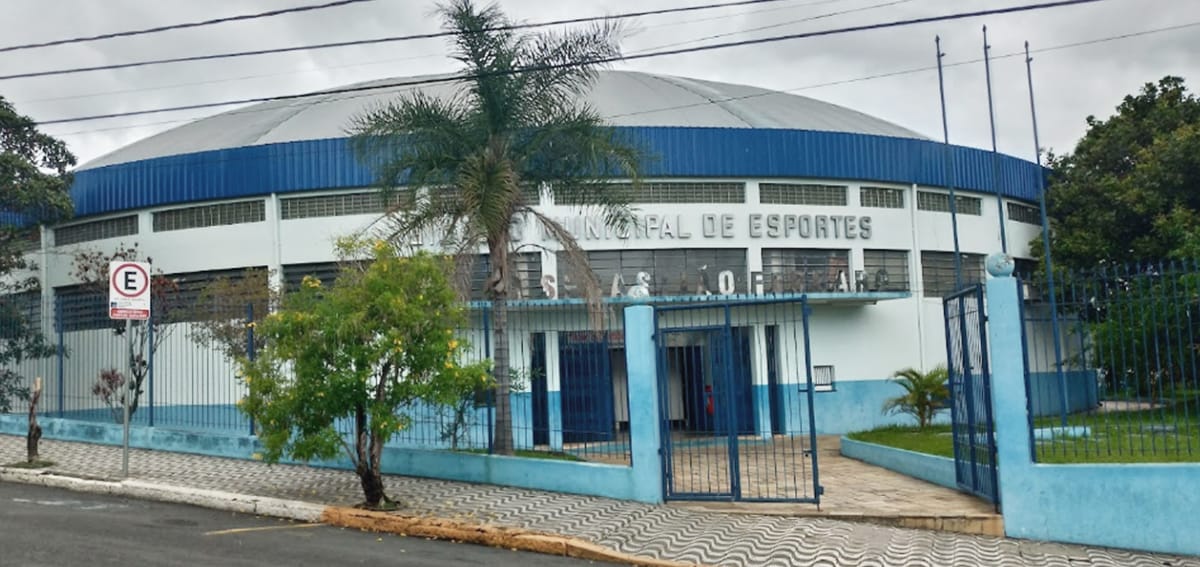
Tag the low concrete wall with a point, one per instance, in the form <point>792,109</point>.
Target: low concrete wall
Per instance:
<point>1148,506</point>
<point>609,481</point>
<point>930,468</point>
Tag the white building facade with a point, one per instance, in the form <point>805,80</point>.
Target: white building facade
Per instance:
<point>750,192</point>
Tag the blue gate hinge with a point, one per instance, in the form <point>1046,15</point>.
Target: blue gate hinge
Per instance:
<point>820,490</point>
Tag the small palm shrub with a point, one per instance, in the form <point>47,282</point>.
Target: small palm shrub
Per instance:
<point>925,394</point>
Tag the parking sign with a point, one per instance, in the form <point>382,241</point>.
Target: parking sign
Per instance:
<point>128,290</point>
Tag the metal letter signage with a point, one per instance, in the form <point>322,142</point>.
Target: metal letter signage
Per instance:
<point>758,226</point>
<point>129,290</point>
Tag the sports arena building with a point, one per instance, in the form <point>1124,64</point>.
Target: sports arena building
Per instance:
<point>750,192</point>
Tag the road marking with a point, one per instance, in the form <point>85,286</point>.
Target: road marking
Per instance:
<point>263,529</point>
<point>77,504</point>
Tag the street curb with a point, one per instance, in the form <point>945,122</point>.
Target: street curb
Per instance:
<point>484,534</point>
<point>213,499</point>
<point>382,522</point>
<point>991,525</point>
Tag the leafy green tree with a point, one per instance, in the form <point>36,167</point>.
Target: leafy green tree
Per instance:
<point>1129,191</point>
<point>463,166</point>
<point>924,395</point>
<point>380,339</point>
<point>34,179</point>
<point>1123,205</point>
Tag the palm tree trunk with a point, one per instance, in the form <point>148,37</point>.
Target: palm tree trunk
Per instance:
<point>502,441</point>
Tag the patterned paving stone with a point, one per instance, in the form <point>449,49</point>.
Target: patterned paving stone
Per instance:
<point>703,537</point>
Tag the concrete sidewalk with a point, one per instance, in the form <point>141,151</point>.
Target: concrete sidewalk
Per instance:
<point>617,530</point>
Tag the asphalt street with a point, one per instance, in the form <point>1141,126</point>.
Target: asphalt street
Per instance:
<point>44,527</point>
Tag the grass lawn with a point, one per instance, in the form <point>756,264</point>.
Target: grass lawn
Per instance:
<point>525,453</point>
<point>934,440</point>
<point>1169,434</point>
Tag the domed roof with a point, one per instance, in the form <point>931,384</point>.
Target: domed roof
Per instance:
<point>624,98</point>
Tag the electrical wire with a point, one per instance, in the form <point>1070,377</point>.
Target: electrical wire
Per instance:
<point>838,82</point>
<point>911,71</point>
<point>537,68</point>
<point>770,92</point>
<point>392,39</point>
<point>203,23</point>
<point>779,25</point>
<point>443,55</point>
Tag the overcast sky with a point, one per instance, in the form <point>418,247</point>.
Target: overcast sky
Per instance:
<point>1070,83</point>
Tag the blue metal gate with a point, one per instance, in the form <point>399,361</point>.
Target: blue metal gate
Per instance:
<point>736,395</point>
<point>970,393</point>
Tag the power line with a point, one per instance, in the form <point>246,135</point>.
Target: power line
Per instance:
<point>235,54</point>
<point>535,68</point>
<point>294,71</point>
<point>907,71</point>
<point>310,69</point>
<point>780,25</point>
<point>758,94</point>
<point>298,71</point>
<point>747,13</point>
<point>187,25</point>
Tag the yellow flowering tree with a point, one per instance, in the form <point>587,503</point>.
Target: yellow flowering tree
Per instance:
<point>358,354</point>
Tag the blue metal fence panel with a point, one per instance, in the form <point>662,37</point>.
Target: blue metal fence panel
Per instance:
<point>973,428</point>
<point>735,384</point>
<point>1112,371</point>
<point>677,152</point>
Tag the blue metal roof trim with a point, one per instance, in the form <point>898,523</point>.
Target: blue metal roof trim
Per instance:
<point>681,152</point>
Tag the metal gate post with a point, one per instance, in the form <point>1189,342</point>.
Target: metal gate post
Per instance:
<point>731,414</point>
<point>805,311</point>
<point>946,318</point>
<point>986,377</point>
<point>969,390</point>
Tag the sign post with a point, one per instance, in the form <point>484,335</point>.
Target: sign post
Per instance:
<point>128,300</point>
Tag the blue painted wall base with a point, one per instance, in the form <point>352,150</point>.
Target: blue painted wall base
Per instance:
<point>591,479</point>
<point>929,468</point>
<point>853,406</point>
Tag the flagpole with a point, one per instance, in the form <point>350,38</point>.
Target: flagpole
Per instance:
<point>987,69</point>
<point>1041,184</point>
<point>949,159</point>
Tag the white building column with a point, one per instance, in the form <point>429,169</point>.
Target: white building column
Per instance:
<point>553,392</point>
<point>793,377</point>
<point>761,391</point>
<point>275,267</point>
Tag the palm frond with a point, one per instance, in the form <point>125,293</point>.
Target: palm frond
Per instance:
<point>566,64</point>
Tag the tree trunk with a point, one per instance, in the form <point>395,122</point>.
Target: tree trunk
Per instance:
<point>34,435</point>
<point>372,484</point>
<point>502,441</point>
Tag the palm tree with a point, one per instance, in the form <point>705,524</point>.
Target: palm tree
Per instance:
<point>925,394</point>
<point>462,166</point>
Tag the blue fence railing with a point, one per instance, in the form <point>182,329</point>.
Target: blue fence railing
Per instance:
<point>969,385</point>
<point>568,392</point>
<point>1113,372</point>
